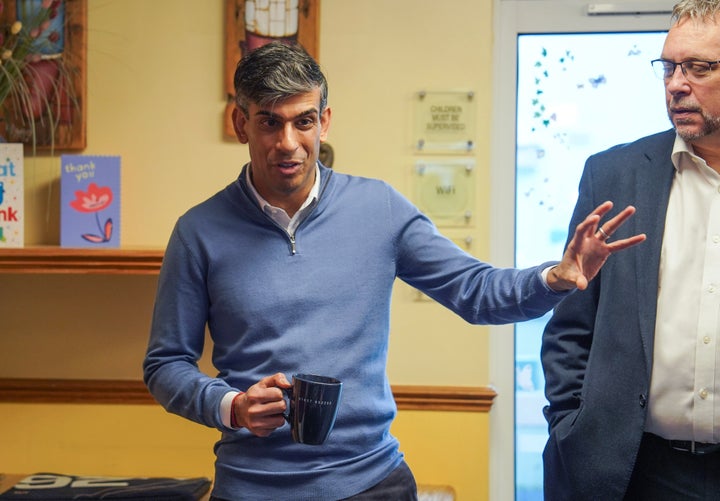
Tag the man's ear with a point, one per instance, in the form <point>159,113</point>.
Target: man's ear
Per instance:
<point>325,123</point>
<point>239,120</point>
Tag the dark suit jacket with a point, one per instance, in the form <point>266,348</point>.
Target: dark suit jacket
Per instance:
<point>597,348</point>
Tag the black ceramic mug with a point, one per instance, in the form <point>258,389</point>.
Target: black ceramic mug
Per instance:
<point>313,407</point>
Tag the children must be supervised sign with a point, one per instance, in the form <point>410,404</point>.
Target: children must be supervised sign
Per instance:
<point>445,121</point>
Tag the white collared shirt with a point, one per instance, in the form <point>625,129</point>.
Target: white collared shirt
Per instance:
<point>279,215</point>
<point>683,403</point>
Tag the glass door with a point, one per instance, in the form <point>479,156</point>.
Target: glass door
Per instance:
<point>568,83</point>
<point>577,94</point>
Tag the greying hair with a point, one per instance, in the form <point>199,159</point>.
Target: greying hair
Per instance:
<point>277,71</point>
<point>695,9</point>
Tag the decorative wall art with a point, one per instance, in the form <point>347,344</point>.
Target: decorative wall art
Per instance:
<point>43,73</point>
<point>253,23</point>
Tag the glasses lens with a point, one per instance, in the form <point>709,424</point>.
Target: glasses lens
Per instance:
<point>663,69</point>
<point>697,70</point>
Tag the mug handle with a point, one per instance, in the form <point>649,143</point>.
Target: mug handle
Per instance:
<point>288,393</point>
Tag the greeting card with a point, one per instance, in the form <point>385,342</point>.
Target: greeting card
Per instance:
<point>90,201</point>
<point>12,210</point>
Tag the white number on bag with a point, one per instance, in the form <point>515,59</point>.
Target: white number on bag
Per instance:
<point>59,481</point>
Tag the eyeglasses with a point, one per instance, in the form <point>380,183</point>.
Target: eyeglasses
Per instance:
<point>694,71</point>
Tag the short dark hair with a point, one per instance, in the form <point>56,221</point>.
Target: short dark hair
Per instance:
<point>276,71</point>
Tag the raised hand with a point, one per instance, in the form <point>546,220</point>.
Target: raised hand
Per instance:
<point>589,248</point>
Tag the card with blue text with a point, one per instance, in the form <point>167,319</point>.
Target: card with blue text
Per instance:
<point>12,200</point>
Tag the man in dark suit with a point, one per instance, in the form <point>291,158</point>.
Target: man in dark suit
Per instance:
<point>632,364</point>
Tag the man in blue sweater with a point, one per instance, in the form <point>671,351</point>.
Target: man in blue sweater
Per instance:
<point>291,268</point>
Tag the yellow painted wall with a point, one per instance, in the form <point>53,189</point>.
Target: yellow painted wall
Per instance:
<point>442,448</point>
<point>155,97</point>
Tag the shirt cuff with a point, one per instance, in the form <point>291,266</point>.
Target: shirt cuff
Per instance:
<point>226,408</point>
<point>545,272</point>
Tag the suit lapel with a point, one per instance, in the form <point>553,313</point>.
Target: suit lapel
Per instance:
<point>652,187</point>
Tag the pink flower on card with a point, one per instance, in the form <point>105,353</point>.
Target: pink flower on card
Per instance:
<point>94,200</point>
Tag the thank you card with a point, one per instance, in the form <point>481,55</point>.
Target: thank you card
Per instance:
<point>90,201</point>
<point>12,210</point>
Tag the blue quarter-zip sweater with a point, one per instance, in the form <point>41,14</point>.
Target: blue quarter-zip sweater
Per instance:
<point>318,303</point>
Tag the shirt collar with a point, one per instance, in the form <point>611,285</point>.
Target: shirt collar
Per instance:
<point>278,214</point>
<point>264,203</point>
<point>683,157</point>
<point>681,149</point>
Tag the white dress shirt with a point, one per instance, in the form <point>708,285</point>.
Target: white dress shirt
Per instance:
<point>686,372</point>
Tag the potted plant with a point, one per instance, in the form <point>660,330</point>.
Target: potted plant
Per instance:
<point>38,96</point>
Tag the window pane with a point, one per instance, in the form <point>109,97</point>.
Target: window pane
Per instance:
<point>577,94</point>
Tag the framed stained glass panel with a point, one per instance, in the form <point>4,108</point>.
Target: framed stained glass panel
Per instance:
<point>43,47</point>
<point>252,23</point>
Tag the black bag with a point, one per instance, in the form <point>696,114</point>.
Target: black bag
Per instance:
<point>57,487</point>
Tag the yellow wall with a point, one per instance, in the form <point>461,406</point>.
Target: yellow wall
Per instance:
<point>155,97</point>
<point>442,448</point>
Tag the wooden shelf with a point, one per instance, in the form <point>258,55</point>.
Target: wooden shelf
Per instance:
<point>81,261</point>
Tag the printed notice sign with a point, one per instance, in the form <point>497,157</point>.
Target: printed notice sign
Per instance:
<point>444,189</point>
<point>445,122</point>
